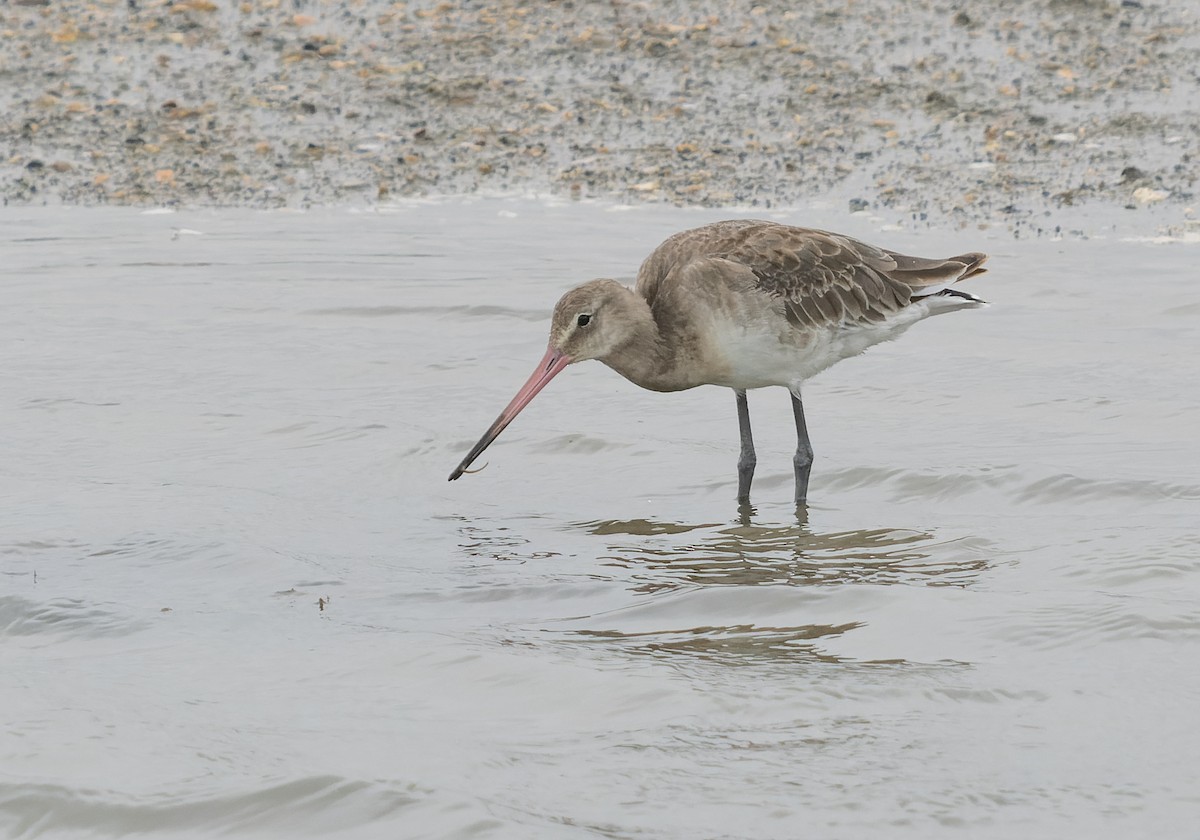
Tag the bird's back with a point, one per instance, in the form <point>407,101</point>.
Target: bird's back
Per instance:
<point>819,278</point>
<point>754,303</point>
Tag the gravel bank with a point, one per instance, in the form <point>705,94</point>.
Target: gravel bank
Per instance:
<point>978,112</point>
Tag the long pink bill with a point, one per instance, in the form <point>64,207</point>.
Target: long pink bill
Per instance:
<point>548,368</point>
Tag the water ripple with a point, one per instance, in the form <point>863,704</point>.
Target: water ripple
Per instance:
<point>478,311</point>
<point>1084,625</point>
<point>1066,486</point>
<point>946,485</point>
<point>61,617</point>
<point>305,805</point>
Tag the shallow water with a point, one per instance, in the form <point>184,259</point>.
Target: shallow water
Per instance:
<point>237,594</point>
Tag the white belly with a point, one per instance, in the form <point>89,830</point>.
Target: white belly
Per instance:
<point>783,354</point>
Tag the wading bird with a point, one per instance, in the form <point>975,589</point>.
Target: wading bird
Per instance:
<point>744,304</point>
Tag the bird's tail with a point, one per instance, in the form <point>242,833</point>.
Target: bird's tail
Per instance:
<point>972,264</point>
<point>936,278</point>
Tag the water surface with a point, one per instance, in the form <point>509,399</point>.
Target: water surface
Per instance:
<point>237,594</point>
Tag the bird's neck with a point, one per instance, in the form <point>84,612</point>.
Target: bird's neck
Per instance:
<point>645,356</point>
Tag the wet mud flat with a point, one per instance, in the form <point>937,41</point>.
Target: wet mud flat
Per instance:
<point>999,113</point>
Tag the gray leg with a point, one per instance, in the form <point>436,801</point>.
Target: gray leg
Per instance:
<point>747,459</point>
<point>804,453</point>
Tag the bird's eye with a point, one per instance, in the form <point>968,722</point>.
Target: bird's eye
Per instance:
<point>583,320</point>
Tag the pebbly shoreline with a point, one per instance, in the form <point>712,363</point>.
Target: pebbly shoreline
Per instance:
<point>970,113</point>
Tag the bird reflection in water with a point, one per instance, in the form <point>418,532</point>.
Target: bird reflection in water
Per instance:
<point>747,554</point>
<point>662,557</point>
<point>658,561</point>
<point>739,644</point>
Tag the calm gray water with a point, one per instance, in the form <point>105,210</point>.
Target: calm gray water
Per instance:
<point>238,596</point>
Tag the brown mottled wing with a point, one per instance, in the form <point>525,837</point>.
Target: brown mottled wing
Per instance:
<point>822,278</point>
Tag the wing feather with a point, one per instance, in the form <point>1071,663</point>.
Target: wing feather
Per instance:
<point>821,278</point>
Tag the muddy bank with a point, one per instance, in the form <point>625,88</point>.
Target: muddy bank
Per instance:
<point>996,113</point>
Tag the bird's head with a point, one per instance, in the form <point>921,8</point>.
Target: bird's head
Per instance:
<point>592,320</point>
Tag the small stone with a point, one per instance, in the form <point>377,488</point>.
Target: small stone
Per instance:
<point>937,99</point>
